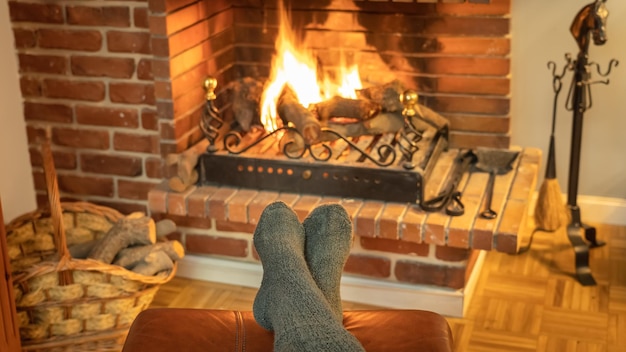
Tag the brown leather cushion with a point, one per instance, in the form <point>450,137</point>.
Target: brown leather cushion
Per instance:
<point>189,330</point>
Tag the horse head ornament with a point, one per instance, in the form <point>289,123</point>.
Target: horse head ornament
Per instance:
<point>590,21</point>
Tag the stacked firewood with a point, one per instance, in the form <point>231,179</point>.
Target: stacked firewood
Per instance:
<point>132,243</point>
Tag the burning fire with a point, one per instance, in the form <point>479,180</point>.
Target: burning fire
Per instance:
<point>297,67</point>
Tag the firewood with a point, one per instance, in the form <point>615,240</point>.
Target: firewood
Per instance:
<point>246,98</point>
<point>82,250</point>
<point>290,110</point>
<point>131,230</point>
<point>131,256</point>
<point>154,263</point>
<point>186,174</point>
<point>165,227</point>
<point>386,95</point>
<point>359,109</point>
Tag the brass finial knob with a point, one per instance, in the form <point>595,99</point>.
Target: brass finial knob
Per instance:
<point>210,83</point>
<point>409,100</point>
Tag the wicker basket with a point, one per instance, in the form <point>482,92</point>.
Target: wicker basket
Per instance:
<point>68,304</point>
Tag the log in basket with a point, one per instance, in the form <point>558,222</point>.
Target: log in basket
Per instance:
<point>64,303</point>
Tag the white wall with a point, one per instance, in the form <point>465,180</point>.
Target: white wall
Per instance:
<point>16,181</point>
<point>540,33</point>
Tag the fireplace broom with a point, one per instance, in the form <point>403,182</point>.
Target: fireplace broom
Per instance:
<point>550,210</point>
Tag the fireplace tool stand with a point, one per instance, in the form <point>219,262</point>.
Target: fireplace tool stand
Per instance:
<point>590,20</point>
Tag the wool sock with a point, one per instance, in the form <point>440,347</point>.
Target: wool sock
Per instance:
<point>328,232</point>
<point>288,301</point>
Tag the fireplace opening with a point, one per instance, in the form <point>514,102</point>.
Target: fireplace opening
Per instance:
<point>370,142</point>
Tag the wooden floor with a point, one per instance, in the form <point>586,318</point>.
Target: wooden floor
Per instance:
<point>526,302</point>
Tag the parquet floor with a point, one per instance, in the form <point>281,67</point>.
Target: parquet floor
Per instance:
<point>526,302</point>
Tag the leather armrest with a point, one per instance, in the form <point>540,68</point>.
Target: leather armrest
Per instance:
<point>190,330</point>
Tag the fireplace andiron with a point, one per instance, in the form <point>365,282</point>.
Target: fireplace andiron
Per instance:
<point>393,166</point>
<point>590,22</point>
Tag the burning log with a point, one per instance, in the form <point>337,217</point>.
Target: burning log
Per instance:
<point>246,98</point>
<point>290,110</point>
<point>359,109</point>
<point>386,95</point>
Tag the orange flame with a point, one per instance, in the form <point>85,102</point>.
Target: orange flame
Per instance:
<point>296,67</point>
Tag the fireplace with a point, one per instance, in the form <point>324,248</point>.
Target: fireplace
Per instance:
<point>122,86</point>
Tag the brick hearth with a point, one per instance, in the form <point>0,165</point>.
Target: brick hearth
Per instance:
<point>394,241</point>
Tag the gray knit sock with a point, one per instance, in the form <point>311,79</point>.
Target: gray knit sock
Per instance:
<point>288,301</point>
<point>328,232</point>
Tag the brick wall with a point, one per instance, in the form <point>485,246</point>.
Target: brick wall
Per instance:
<point>85,74</point>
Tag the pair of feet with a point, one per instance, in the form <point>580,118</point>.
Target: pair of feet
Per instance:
<point>299,298</point>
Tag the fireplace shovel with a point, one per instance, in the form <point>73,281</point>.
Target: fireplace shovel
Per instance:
<point>495,162</point>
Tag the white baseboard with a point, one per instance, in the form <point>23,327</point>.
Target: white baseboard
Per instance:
<point>599,210</point>
<point>387,294</point>
<point>602,210</point>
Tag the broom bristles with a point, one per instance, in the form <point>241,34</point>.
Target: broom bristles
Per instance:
<point>550,210</point>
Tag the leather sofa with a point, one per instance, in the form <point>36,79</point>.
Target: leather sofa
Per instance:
<point>190,330</point>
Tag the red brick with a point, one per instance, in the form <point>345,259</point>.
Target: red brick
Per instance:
<point>217,203</point>
<point>47,112</point>
<point>131,93</point>
<point>106,116</point>
<point>144,70</point>
<point>42,63</point>
<point>177,202</point>
<point>140,17</point>
<point>189,222</point>
<point>482,239</point>
<point>394,246</point>
<point>45,13</point>
<point>305,205</point>
<point>435,228</point>
<point>390,220</point>
<point>24,38</point>
<point>366,221</point>
<point>149,120</point>
<point>125,208</point>
<point>136,142</point>
<point>258,204</point>
<point>202,244</point>
<point>450,254</point>
<point>102,66</point>
<point>77,90</point>
<point>378,267</point>
<point>430,274</point>
<point>80,138</point>
<point>98,16</point>
<point>157,198</point>
<point>81,40</point>
<point>197,201</point>
<point>35,135</point>
<point>111,164</point>
<point>83,185</point>
<point>153,167</point>
<point>238,205</point>
<point>230,226</point>
<point>134,189</point>
<point>159,6</point>
<point>62,160</point>
<point>30,87</point>
<point>128,42</point>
